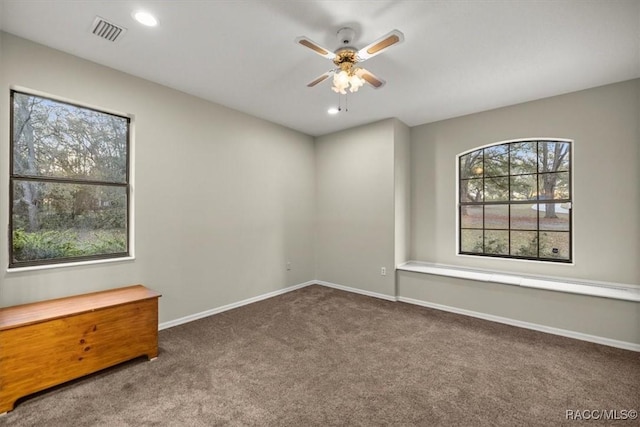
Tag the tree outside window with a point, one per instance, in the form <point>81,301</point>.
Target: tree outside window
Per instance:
<point>69,179</point>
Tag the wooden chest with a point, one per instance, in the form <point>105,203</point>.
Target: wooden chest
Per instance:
<point>50,342</point>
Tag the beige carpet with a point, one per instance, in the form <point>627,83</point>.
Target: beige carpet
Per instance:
<point>318,357</point>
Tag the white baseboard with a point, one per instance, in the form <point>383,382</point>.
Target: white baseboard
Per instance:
<point>211,312</point>
<point>526,325</point>
<point>507,321</point>
<point>356,290</point>
<point>202,314</point>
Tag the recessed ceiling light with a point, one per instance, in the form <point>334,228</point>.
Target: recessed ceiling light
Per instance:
<point>333,110</point>
<point>145,18</point>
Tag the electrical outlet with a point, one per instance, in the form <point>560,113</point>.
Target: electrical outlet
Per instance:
<point>288,265</point>
<point>383,271</point>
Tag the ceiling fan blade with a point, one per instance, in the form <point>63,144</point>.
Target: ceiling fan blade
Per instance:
<point>304,41</point>
<point>383,43</point>
<point>321,78</point>
<point>370,78</point>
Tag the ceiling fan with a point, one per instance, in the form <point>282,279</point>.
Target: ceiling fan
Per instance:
<point>348,75</point>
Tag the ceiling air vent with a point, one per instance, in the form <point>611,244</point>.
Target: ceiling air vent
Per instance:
<point>107,30</point>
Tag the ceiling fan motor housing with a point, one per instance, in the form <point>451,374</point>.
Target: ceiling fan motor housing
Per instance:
<point>345,36</point>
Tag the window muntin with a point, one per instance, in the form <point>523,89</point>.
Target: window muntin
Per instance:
<point>515,201</point>
<point>69,182</point>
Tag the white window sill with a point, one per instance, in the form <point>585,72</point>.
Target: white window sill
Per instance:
<point>68,264</point>
<point>620,291</point>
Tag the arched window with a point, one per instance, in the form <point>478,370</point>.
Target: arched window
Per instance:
<point>514,200</point>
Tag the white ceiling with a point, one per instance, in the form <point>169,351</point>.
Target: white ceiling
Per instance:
<point>458,57</point>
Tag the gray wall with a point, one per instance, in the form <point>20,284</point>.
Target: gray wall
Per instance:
<point>402,192</point>
<point>222,200</point>
<point>363,198</point>
<point>604,320</point>
<point>602,121</point>
<point>355,207</point>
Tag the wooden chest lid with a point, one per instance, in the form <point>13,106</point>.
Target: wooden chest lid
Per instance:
<point>26,314</point>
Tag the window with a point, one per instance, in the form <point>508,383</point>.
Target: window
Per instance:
<point>515,200</point>
<point>69,182</point>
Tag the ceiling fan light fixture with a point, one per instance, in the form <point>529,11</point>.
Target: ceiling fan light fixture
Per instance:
<point>344,80</point>
<point>340,82</point>
<point>356,82</point>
